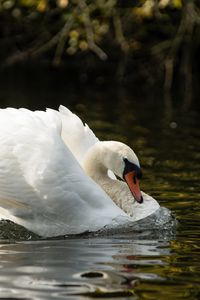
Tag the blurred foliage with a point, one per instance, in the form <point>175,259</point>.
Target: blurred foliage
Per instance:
<point>130,34</point>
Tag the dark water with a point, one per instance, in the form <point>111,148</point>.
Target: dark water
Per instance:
<point>133,265</point>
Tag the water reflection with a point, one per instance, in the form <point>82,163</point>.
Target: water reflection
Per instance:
<point>96,266</point>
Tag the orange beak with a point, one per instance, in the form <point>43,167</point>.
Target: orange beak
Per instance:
<point>133,184</point>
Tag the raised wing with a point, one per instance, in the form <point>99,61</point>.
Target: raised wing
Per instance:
<point>77,136</point>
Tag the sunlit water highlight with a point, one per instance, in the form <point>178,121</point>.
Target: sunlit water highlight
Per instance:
<point>143,262</point>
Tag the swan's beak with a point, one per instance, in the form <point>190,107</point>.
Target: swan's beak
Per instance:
<point>133,184</point>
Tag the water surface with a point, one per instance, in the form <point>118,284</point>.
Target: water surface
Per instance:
<point>129,265</point>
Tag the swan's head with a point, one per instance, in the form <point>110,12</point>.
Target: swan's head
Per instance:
<point>124,163</point>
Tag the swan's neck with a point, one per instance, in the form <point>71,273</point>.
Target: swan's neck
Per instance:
<point>95,167</point>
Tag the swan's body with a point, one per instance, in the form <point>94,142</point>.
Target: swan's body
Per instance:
<point>44,187</point>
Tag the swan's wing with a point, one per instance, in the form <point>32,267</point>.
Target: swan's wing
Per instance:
<point>16,194</point>
<point>77,136</point>
<point>42,187</point>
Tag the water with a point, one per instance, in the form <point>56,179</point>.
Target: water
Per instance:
<point>137,264</point>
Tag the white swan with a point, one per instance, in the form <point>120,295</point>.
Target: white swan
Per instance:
<point>49,190</point>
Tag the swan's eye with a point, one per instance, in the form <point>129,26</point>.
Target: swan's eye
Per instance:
<point>130,167</point>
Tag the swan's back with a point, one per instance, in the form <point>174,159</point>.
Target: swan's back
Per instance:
<point>42,186</point>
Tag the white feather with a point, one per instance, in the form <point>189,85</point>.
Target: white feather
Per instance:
<point>77,136</point>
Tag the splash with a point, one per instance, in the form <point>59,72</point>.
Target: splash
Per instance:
<point>161,224</point>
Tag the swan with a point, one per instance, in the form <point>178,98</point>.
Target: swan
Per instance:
<point>57,178</point>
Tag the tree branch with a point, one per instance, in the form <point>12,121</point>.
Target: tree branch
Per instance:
<point>89,31</point>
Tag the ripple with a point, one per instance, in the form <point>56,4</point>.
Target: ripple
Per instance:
<point>93,275</point>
